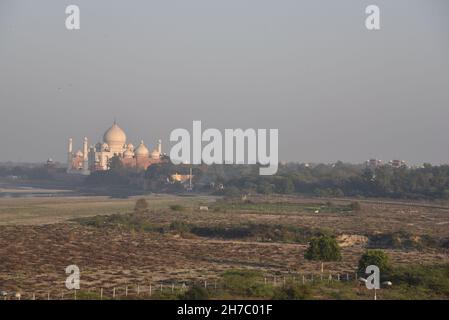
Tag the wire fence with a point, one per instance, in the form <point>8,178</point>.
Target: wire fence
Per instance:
<point>149,290</point>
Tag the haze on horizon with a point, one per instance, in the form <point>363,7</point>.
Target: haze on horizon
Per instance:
<point>335,90</point>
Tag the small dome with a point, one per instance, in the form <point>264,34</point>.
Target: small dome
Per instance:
<point>142,150</point>
<point>128,154</point>
<point>79,153</point>
<point>155,154</point>
<point>130,146</point>
<point>115,136</point>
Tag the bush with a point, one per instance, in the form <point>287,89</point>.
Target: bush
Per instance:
<point>323,248</point>
<point>292,292</point>
<point>141,205</point>
<point>176,207</point>
<point>231,192</point>
<point>180,226</point>
<point>430,278</point>
<point>196,292</point>
<point>245,283</point>
<point>375,257</point>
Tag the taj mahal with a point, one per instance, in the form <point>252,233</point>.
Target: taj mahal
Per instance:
<point>97,158</point>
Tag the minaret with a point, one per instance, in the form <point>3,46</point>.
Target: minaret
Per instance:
<point>91,158</point>
<point>159,146</point>
<point>70,155</point>
<point>85,157</point>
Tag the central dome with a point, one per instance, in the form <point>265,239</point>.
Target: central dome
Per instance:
<point>114,136</point>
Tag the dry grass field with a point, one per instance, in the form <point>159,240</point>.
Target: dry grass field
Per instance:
<point>39,238</point>
<point>46,210</point>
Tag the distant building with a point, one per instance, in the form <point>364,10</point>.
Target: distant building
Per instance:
<point>374,163</point>
<point>180,177</point>
<point>96,158</point>
<point>397,163</point>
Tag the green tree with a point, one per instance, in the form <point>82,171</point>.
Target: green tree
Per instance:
<point>292,292</point>
<point>196,292</point>
<point>374,257</point>
<point>115,163</point>
<point>265,188</point>
<point>231,192</point>
<point>323,248</point>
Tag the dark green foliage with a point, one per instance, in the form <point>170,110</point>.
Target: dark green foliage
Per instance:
<point>196,292</point>
<point>341,179</point>
<point>176,207</point>
<point>431,278</point>
<point>375,257</point>
<point>292,291</point>
<point>231,192</point>
<point>334,180</point>
<point>158,176</point>
<point>122,221</point>
<point>323,248</point>
<point>115,163</point>
<point>258,232</point>
<point>245,283</point>
<point>180,226</point>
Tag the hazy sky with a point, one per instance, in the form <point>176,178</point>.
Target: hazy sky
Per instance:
<point>335,90</point>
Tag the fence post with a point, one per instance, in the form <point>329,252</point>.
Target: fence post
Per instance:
<point>205,284</point>
<point>215,284</point>
<point>338,276</point>
<point>265,280</point>
<point>126,290</point>
<point>172,287</point>
<point>62,295</point>
<point>161,287</point>
<point>150,289</point>
<point>347,277</point>
<point>74,293</point>
<point>283,282</point>
<point>34,296</point>
<point>303,280</point>
<point>101,293</point>
<point>113,293</point>
<point>48,295</point>
<point>274,280</point>
<point>138,289</point>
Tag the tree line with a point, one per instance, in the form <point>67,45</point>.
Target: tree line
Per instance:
<point>327,180</point>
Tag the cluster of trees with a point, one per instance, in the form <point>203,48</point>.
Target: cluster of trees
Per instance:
<point>336,180</point>
<point>430,182</point>
<point>27,172</point>
<point>325,248</point>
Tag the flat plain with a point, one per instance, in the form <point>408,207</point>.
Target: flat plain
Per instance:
<point>40,237</point>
